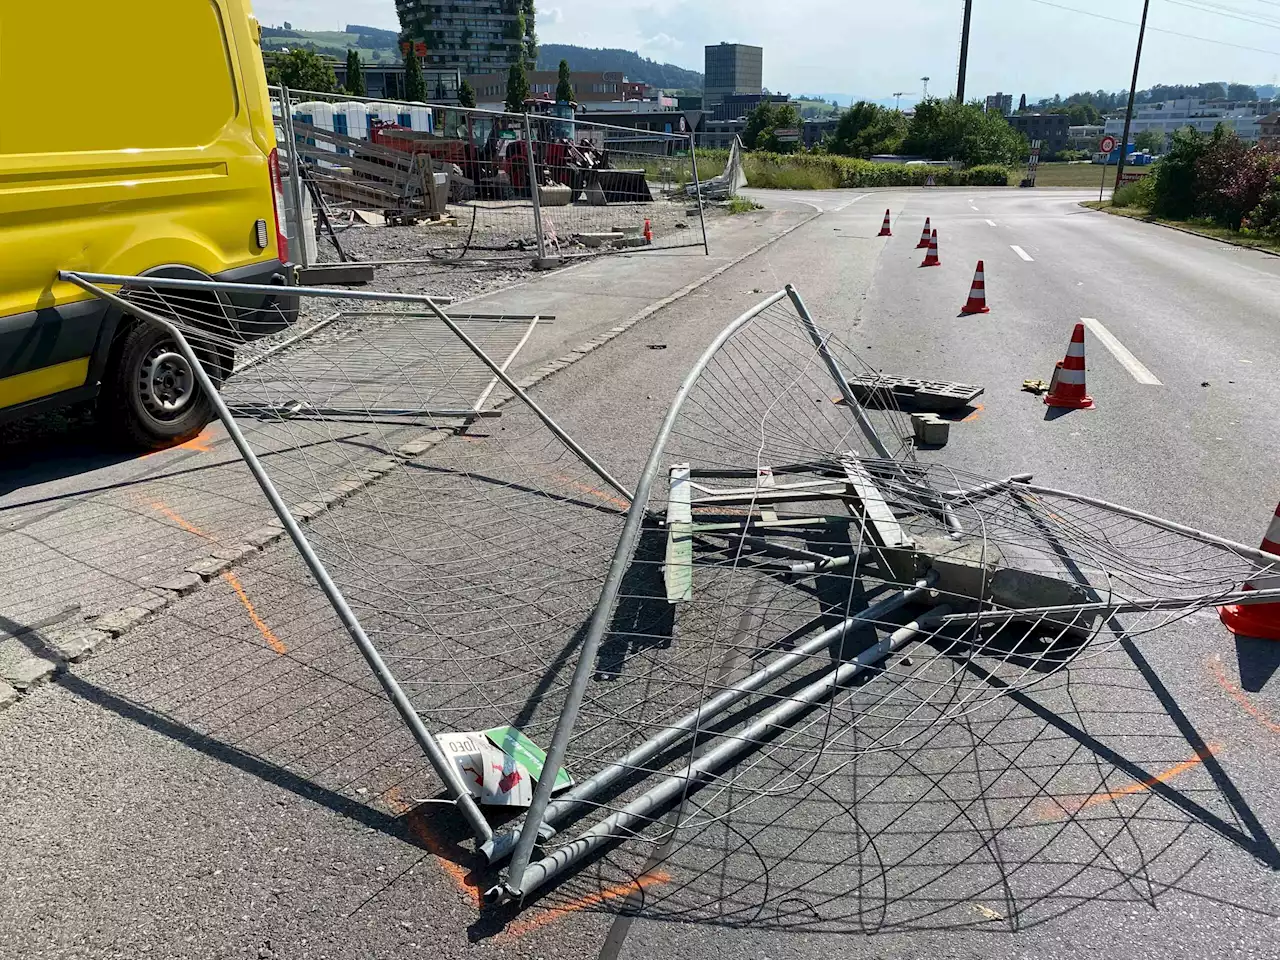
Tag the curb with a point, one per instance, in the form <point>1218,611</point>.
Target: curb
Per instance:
<point>75,641</point>
<point>1186,230</point>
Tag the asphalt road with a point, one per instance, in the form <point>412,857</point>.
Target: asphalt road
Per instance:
<point>193,791</point>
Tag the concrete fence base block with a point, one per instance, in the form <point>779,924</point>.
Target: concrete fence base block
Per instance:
<point>74,644</point>
<point>27,674</point>
<point>930,429</point>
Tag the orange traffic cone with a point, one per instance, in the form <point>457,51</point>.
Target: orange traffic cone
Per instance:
<point>1067,389</point>
<point>924,237</point>
<point>648,232</point>
<point>884,228</point>
<point>977,294</point>
<point>931,258</point>
<point>1261,620</point>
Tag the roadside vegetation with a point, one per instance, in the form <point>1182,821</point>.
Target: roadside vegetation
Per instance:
<point>739,205</point>
<point>1216,185</point>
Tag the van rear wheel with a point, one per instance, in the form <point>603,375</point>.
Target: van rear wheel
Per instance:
<point>150,397</point>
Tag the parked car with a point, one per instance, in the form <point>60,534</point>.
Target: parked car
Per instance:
<point>163,163</point>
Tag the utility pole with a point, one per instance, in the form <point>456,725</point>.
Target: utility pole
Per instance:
<point>1133,92</point>
<point>964,50</point>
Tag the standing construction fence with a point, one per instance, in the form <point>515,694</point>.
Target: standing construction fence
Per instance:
<point>484,185</point>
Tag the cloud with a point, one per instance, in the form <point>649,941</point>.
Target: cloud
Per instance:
<point>661,41</point>
<point>550,15</point>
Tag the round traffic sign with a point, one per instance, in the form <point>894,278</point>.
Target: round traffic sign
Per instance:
<point>1108,144</point>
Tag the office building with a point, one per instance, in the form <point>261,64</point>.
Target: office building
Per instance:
<point>588,88</point>
<point>732,68</point>
<point>1051,129</point>
<point>472,36</point>
<point>1001,103</point>
<point>387,80</point>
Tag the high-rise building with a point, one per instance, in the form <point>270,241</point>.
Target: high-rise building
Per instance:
<point>472,36</point>
<point>1001,103</point>
<point>732,68</point>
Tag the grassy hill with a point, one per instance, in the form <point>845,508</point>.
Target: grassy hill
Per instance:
<point>665,76</point>
<point>376,45</point>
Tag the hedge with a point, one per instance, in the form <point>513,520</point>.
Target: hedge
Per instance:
<point>824,171</point>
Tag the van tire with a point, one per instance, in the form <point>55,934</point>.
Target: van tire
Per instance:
<point>150,399</point>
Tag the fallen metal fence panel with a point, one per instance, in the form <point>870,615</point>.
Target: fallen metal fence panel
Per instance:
<point>420,564</point>
<point>787,591</point>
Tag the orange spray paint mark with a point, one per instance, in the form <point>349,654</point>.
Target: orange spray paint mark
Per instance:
<point>976,415</point>
<point>1054,809</point>
<point>272,640</point>
<point>201,443</point>
<point>171,515</point>
<point>1239,697</point>
<point>606,497</point>
<point>401,806</point>
<point>522,927</point>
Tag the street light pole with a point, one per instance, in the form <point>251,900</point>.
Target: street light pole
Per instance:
<point>964,50</point>
<point>1133,90</point>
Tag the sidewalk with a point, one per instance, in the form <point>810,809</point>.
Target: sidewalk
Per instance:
<point>91,541</point>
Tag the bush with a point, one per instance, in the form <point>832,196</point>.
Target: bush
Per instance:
<point>1139,193</point>
<point>987,175</point>
<point>1175,176</point>
<point>739,205</point>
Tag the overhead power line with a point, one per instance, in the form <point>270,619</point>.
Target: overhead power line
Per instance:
<point>1172,33</point>
<point>1214,10</point>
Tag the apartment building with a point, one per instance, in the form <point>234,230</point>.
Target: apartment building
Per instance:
<point>472,36</point>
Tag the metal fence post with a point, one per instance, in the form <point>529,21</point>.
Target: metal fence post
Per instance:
<point>295,178</point>
<point>697,186</point>
<point>533,192</point>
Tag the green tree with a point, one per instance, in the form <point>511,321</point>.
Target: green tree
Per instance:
<point>466,93</point>
<point>1152,140</point>
<point>946,130</point>
<point>785,117</point>
<point>355,76</point>
<point>517,88</point>
<point>866,129</point>
<point>529,11</point>
<point>303,70</point>
<point>415,85</point>
<point>564,89</point>
<point>1175,186</point>
<point>760,123</point>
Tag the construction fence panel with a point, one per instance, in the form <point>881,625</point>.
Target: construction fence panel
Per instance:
<point>463,180</point>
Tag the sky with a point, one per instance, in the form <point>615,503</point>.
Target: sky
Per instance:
<point>871,49</point>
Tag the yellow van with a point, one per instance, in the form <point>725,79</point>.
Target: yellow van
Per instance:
<point>137,139</point>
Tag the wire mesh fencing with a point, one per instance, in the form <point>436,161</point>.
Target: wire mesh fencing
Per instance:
<point>476,184</point>
<point>786,597</point>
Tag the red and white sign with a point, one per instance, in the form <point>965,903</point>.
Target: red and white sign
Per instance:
<point>1108,144</point>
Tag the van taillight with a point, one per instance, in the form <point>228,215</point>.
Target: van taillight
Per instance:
<point>277,205</point>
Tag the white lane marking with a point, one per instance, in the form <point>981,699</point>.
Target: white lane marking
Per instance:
<point>991,223</point>
<point>851,202</point>
<point>1121,353</point>
<point>1020,252</point>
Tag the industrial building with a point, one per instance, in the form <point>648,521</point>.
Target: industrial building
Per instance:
<point>472,36</point>
<point>1242,117</point>
<point>1001,103</point>
<point>732,68</point>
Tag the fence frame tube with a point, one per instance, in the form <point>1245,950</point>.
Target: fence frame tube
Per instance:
<point>697,186</point>
<point>443,767</point>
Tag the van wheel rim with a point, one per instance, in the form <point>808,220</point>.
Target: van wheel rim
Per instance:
<point>165,382</point>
